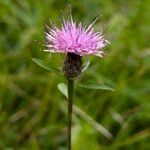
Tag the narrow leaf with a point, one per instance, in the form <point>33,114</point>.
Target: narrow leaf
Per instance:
<point>100,128</point>
<point>86,66</point>
<point>46,66</point>
<point>94,85</point>
<point>63,89</point>
<point>91,121</point>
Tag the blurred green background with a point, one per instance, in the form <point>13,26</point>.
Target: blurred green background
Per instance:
<point>33,115</point>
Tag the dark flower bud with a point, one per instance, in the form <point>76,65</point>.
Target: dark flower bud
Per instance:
<point>72,65</point>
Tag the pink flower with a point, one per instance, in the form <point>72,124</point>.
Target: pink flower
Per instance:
<point>76,39</point>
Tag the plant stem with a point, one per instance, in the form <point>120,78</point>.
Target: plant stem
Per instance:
<point>70,104</point>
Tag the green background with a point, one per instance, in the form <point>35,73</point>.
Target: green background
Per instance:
<point>33,113</point>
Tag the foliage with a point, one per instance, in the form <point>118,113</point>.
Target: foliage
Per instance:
<point>32,110</point>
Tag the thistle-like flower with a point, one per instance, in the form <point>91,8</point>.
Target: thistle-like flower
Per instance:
<point>73,38</point>
<point>76,41</point>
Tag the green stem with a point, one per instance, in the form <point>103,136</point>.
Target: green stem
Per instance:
<point>70,104</point>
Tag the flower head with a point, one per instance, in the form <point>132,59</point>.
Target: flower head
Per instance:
<point>73,38</point>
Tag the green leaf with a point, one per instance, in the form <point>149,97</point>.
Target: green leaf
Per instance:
<point>46,66</point>
<point>63,89</point>
<point>95,85</point>
<point>86,66</point>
